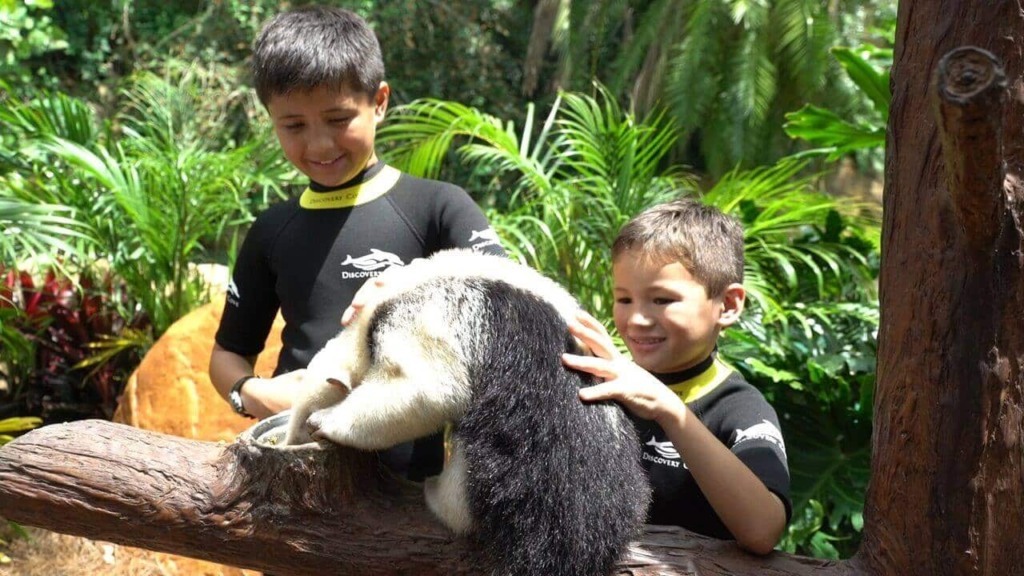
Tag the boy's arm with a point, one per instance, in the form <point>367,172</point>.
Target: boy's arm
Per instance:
<point>249,310</point>
<point>261,397</point>
<point>462,224</point>
<point>754,515</point>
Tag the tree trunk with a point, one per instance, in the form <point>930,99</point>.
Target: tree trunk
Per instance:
<point>947,478</point>
<point>290,511</point>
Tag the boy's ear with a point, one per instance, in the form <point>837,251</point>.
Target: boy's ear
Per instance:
<point>733,298</point>
<point>380,101</point>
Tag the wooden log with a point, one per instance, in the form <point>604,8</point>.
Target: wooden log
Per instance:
<point>285,510</point>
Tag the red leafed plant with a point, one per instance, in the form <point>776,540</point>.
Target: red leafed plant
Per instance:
<point>79,342</point>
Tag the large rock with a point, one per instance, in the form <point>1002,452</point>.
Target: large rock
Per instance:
<point>170,391</point>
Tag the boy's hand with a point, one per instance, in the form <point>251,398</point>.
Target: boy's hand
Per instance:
<point>264,397</point>
<point>371,290</point>
<point>635,388</point>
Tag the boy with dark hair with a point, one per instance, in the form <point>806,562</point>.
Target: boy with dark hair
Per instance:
<point>318,71</point>
<point>711,442</point>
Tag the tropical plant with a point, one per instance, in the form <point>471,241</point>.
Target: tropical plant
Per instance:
<point>10,426</point>
<point>801,245</point>
<point>154,198</point>
<point>31,230</point>
<point>834,136</point>
<point>70,359</point>
<point>558,195</point>
<point>726,71</point>
<point>807,339</point>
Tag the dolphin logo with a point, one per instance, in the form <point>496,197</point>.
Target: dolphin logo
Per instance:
<point>375,260</point>
<point>764,430</point>
<point>486,234</point>
<point>479,239</point>
<point>664,449</point>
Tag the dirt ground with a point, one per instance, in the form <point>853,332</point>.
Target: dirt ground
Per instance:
<point>50,554</point>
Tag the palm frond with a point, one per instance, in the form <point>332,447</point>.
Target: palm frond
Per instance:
<point>49,114</point>
<point>34,229</point>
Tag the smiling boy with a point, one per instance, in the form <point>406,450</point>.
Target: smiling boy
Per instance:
<point>711,442</point>
<point>319,72</point>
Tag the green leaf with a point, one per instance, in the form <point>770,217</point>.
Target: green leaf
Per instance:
<point>10,426</point>
<point>774,374</point>
<point>822,127</point>
<point>874,83</point>
<point>19,424</point>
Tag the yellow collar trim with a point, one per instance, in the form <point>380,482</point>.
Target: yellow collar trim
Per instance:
<point>703,383</point>
<point>352,196</point>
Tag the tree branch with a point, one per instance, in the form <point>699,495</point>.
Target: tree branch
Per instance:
<point>289,510</point>
<point>971,88</point>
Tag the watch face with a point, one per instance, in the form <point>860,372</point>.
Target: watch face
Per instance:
<point>236,403</point>
<point>235,397</point>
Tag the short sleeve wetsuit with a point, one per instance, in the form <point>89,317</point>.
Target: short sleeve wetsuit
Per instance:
<point>309,255</point>
<point>741,418</point>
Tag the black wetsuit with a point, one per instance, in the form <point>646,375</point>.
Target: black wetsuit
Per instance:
<point>740,417</point>
<point>309,255</point>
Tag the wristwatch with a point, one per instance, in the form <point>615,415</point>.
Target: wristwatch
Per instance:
<point>235,396</point>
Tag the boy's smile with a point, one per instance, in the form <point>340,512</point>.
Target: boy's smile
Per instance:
<point>328,134</point>
<point>664,315</point>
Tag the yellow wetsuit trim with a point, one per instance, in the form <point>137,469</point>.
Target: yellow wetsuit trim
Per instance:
<point>703,383</point>
<point>354,195</point>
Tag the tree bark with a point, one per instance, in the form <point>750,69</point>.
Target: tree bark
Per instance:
<point>545,12</point>
<point>947,474</point>
<point>286,510</point>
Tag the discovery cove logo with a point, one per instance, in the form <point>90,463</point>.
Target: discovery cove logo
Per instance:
<point>483,238</point>
<point>765,430</point>
<point>370,265</point>
<point>667,454</point>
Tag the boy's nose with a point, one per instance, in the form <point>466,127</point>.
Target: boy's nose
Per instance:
<point>638,318</point>
<point>321,141</point>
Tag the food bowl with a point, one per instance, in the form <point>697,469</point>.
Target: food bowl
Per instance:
<point>270,431</point>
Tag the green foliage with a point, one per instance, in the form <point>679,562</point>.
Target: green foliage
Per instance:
<point>868,70</point>
<point>819,375</point>
<point>27,31</point>
<point>463,50</point>
<point>725,71</point>
<point>152,200</point>
<point>11,426</point>
<point>31,230</point>
<point>107,41</point>
<point>561,193</point>
<point>808,340</point>
<point>799,246</point>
